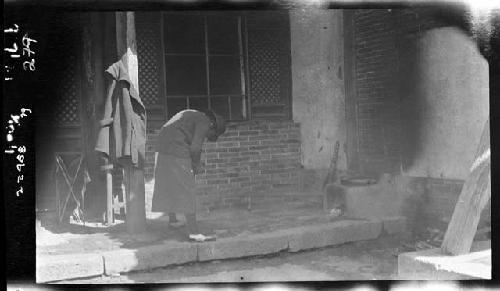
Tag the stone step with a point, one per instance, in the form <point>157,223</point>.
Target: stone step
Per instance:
<point>63,267</point>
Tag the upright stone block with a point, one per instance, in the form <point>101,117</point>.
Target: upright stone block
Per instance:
<point>61,267</point>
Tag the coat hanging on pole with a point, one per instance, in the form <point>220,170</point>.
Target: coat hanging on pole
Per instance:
<point>123,134</point>
<point>122,140</point>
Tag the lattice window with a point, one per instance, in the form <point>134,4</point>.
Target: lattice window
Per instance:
<point>264,67</point>
<point>149,57</point>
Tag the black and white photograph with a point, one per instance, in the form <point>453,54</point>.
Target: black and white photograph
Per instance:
<point>239,142</point>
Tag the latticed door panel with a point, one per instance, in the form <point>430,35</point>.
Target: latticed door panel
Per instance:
<point>64,41</point>
<point>269,64</point>
<point>264,67</point>
<point>149,49</point>
<point>67,107</point>
<point>151,70</point>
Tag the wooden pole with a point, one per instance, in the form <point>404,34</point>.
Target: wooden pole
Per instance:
<point>475,194</point>
<point>133,177</point>
<point>107,168</point>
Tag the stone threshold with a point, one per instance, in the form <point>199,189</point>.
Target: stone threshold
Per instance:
<point>52,268</point>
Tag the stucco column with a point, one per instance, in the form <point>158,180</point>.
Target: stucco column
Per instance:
<point>133,177</point>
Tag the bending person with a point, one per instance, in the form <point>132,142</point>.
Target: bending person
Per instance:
<point>178,159</point>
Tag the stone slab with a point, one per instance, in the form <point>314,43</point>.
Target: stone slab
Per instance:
<point>172,253</point>
<point>126,260</point>
<point>243,246</point>
<point>389,197</point>
<point>372,201</point>
<point>334,233</point>
<point>433,265</point>
<point>61,267</point>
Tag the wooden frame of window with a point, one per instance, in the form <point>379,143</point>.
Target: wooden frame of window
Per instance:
<point>209,58</point>
<point>229,56</point>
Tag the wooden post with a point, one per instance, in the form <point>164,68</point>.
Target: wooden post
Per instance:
<point>126,45</point>
<point>135,212</point>
<point>107,168</point>
<point>475,194</point>
<point>133,177</point>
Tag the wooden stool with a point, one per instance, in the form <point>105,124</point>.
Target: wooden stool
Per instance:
<point>70,183</point>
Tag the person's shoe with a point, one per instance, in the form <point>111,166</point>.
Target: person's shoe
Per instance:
<point>201,238</point>
<point>176,224</point>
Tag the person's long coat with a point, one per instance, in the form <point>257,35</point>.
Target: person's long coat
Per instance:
<point>125,138</point>
<point>178,151</point>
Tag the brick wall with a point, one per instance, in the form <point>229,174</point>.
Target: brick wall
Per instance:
<point>384,51</point>
<point>255,157</point>
<point>376,100</point>
<point>434,201</point>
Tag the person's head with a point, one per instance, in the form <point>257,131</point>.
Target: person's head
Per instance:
<point>217,126</point>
